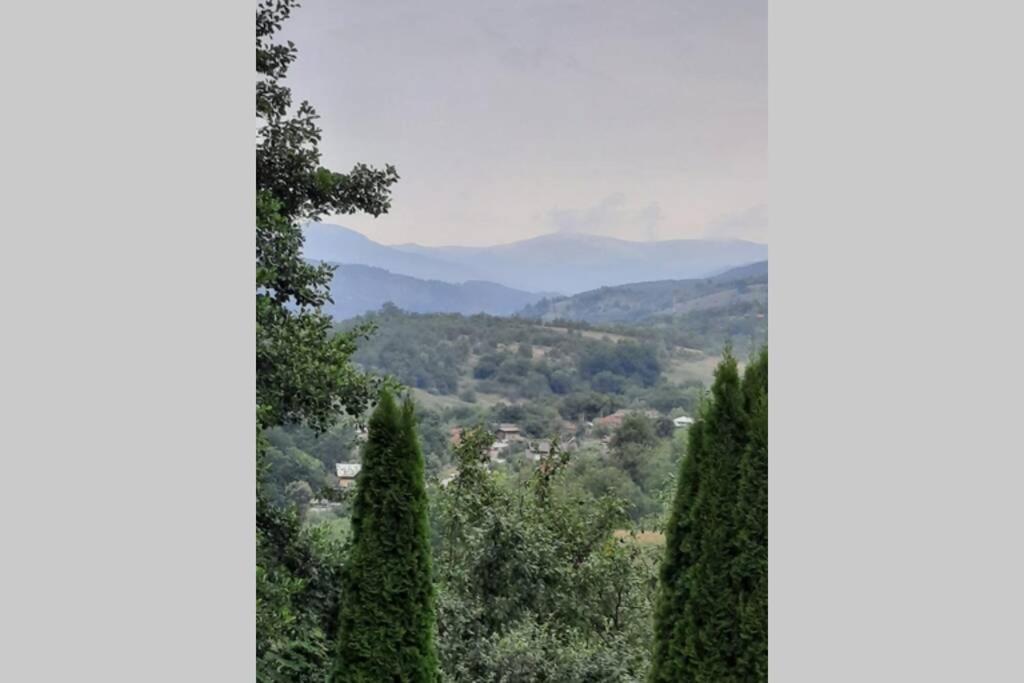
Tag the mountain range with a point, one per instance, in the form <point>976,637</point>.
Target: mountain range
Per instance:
<point>358,289</point>
<point>567,263</point>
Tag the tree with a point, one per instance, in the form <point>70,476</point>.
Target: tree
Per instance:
<point>303,373</point>
<point>670,662</point>
<point>711,620</point>
<point>533,585</point>
<point>303,370</point>
<point>299,493</point>
<point>636,428</point>
<point>750,567</point>
<point>664,427</point>
<point>631,445</point>
<point>710,611</point>
<point>387,620</point>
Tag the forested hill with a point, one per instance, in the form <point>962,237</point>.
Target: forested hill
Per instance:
<point>455,359</point>
<point>358,289</point>
<point>729,298</point>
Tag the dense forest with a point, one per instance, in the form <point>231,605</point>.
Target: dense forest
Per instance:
<point>535,500</point>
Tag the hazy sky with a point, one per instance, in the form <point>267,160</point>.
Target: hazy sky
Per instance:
<point>507,120</point>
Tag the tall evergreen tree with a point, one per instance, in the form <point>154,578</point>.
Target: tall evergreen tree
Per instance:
<point>750,567</point>
<point>669,661</point>
<point>710,612</point>
<point>387,618</point>
<point>711,621</point>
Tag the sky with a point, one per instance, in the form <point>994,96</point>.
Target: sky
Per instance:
<point>507,120</point>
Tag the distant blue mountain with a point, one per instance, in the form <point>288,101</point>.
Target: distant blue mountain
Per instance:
<point>360,289</point>
<point>335,244</point>
<point>564,263</point>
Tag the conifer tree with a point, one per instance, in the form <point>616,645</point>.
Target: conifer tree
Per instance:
<point>750,567</point>
<point>710,611</point>
<point>387,619</point>
<point>711,620</point>
<point>669,660</point>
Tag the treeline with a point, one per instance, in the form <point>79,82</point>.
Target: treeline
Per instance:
<point>509,357</point>
<point>562,372</point>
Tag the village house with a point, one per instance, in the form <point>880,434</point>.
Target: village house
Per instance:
<point>508,432</point>
<point>614,421</point>
<point>347,472</point>
<point>539,449</point>
<point>496,450</point>
<point>682,421</point>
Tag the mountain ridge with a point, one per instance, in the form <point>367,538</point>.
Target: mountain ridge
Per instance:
<point>740,291</point>
<point>358,289</point>
<point>568,263</point>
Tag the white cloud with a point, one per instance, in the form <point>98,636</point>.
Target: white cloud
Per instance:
<point>610,216</point>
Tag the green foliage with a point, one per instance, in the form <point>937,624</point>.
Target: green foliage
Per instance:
<point>623,360</point>
<point>668,398</point>
<point>303,373</point>
<point>631,445</point>
<point>636,430</point>
<point>434,351</point>
<point>533,586</point>
<point>300,494</point>
<point>288,466</point>
<point>711,620</point>
<point>700,314</point>
<point>387,629</point>
<point>588,405</point>
<point>303,370</point>
<point>298,572</point>
<point>750,568</point>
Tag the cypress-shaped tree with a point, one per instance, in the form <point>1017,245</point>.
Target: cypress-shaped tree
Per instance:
<point>697,631</point>
<point>387,621</point>
<point>669,660</point>
<point>710,612</point>
<point>750,566</point>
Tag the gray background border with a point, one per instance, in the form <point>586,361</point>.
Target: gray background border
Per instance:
<point>127,353</point>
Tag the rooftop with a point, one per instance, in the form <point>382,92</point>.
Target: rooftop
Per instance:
<point>348,470</point>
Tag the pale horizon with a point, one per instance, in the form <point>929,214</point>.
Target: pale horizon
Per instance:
<point>340,221</point>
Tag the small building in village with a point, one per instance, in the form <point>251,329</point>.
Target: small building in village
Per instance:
<point>538,450</point>
<point>614,420</point>
<point>347,472</point>
<point>508,432</point>
<point>682,421</point>
<point>497,450</point>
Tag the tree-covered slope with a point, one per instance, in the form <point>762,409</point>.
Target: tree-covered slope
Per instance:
<point>738,290</point>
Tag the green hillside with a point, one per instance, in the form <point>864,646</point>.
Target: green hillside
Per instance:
<point>733,303</point>
<point>453,360</point>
